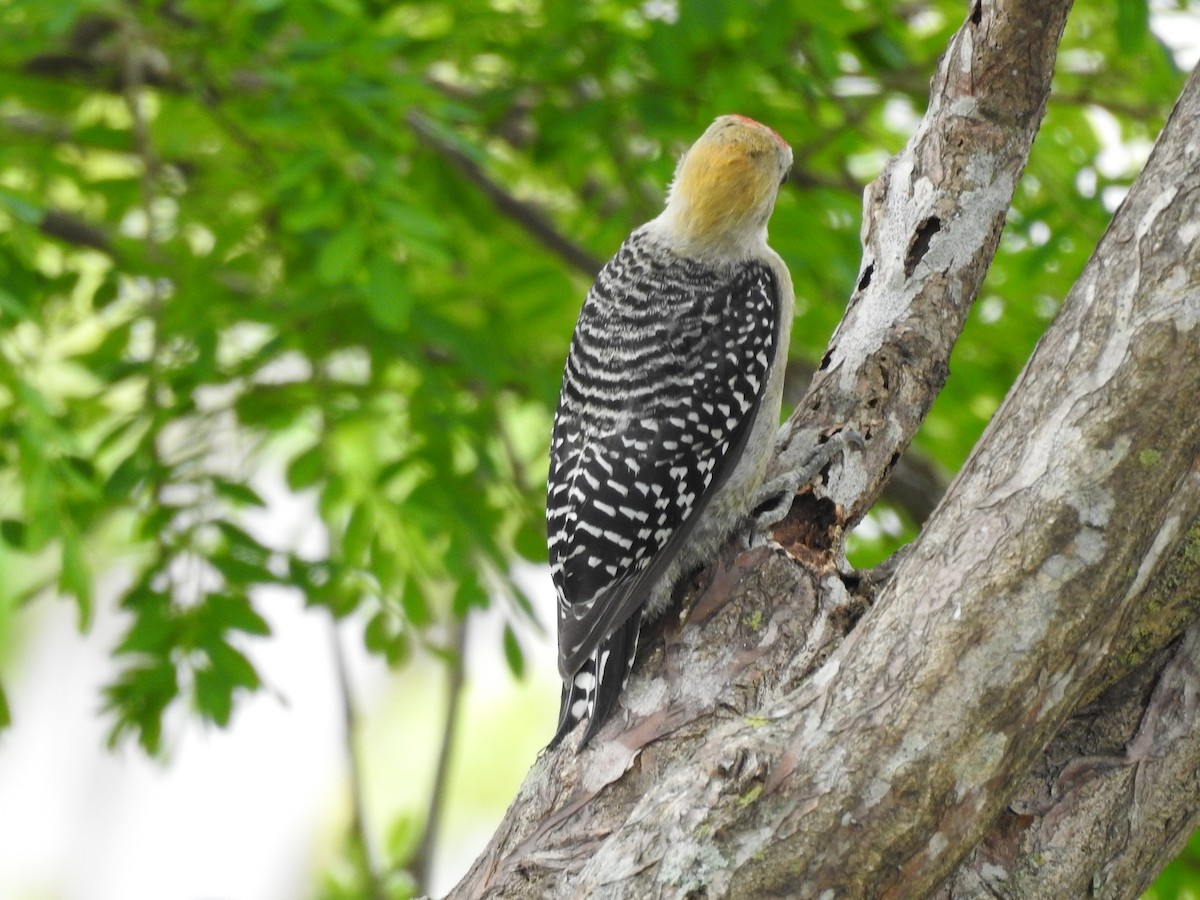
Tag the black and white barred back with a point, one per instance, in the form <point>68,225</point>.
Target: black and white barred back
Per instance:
<point>667,366</point>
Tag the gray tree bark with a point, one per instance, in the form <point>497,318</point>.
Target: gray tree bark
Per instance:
<point>1008,710</point>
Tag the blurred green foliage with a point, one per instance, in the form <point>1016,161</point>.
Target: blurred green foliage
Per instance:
<point>346,240</point>
<point>1181,879</point>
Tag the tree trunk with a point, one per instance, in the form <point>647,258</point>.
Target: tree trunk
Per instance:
<point>1003,712</point>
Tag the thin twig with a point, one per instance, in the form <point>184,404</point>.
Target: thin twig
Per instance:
<point>422,861</point>
<point>1142,113</point>
<point>524,214</point>
<point>358,821</point>
<point>211,97</point>
<point>132,87</point>
<point>62,225</point>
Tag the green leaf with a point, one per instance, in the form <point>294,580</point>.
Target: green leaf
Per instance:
<point>378,633</point>
<point>398,650</point>
<point>707,17</point>
<point>341,594</point>
<point>468,594</point>
<point>881,49</point>
<point>233,612</point>
<point>524,602</point>
<point>341,255</point>
<point>403,836</point>
<point>232,664</point>
<point>123,478</point>
<point>389,297</point>
<point>5,711</point>
<point>12,531</point>
<point>12,306</point>
<point>271,406</point>
<point>157,521</point>
<point>240,572</point>
<point>214,695</point>
<point>356,541</point>
<point>307,468</point>
<point>349,8</point>
<point>513,655</point>
<point>300,164</point>
<point>416,609</point>
<point>80,468</point>
<point>324,208</point>
<point>155,629</point>
<point>530,541</point>
<point>243,545</point>
<point>120,432</point>
<point>75,576</point>
<point>386,564</point>
<point>239,493</point>
<point>139,697</point>
<point>1132,24</point>
<point>21,209</point>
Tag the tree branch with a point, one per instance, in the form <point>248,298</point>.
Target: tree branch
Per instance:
<point>931,223</point>
<point>56,223</point>
<point>916,483</point>
<point>1000,645</point>
<point>1112,798</point>
<point>524,214</point>
<point>422,861</point>
<point>359,829</point>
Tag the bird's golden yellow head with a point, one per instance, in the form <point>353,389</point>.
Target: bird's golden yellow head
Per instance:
<point>725,185</point>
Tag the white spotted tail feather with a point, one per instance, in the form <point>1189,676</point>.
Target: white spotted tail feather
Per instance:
<point>670,400</point>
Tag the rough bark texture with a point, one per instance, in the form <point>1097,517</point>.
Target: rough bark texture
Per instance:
<point>1020,585</point>
<point>931,223</point>
<point>1110,798</point>
<point>759,753</point>
<point>916,482</point>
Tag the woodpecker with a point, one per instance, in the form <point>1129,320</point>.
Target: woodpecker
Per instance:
<point>669,405</point>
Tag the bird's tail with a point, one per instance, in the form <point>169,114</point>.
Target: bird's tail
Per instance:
<point>592,692</point>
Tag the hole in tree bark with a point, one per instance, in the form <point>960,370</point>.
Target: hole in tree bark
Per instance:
<point>810,528</point>
<point>825,361</point>
<point>977,12</point>
<point>920,244</point>
<point>865,281</point>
